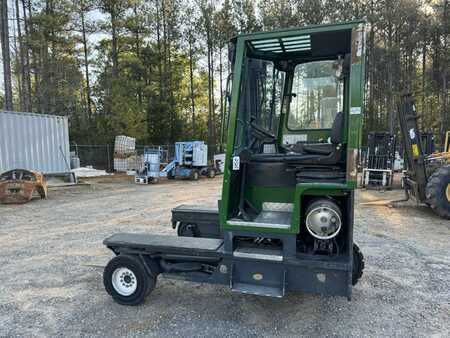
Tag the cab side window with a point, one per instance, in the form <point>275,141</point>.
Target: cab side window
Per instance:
<point>318,96</point>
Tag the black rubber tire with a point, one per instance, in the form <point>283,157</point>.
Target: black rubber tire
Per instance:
<point>358,264</point>
<point>436,192</point>
<point>211,173</point>
<point>195,175</point>
<point>187,230</point>
<point>170,176</point>
<point>145,283</point>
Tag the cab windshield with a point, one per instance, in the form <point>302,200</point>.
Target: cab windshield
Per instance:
<point>267,94</point>
<point>260,103</point>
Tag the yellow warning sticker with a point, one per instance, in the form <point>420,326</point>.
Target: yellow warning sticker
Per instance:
<point>415,150</point>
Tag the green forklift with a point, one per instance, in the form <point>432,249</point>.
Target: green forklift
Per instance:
<point>285,219</point>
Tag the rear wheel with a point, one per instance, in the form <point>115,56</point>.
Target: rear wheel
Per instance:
<point>358,264</point>
<point>127,281</point>
<point>195,175</point>
<point>211,173</point>
<point>438,192</point>
<point>187,230</point>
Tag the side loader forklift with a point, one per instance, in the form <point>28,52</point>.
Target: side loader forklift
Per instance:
<point>285,218</point>
<point>427,177</point>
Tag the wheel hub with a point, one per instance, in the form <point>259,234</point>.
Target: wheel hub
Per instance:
<point>124,281</point>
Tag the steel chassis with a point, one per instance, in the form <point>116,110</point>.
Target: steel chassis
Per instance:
<point>262,272</point>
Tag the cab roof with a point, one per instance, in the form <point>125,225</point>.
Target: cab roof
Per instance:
<point>310,42</point>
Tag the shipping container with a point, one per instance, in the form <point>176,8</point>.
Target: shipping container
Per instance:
<point>35,142</point>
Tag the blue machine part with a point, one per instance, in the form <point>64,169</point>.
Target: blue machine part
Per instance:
<point>182,172</point>
<point>169,167</point>
<point>191,154</point>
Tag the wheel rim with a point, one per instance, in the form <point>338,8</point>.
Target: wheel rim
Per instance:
<point>124,281</point>
<point>447,192</point>
<point>187,230</point>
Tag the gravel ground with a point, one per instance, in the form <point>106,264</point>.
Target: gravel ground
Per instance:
<point>51,282</point>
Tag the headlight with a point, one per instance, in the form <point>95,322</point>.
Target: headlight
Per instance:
<point>323,219</point>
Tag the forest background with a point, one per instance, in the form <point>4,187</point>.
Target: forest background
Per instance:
<point>156,70</point>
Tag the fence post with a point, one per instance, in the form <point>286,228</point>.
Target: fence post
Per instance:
<point>107,155</point>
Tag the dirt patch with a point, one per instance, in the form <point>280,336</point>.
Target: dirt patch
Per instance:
<point>52,254</point>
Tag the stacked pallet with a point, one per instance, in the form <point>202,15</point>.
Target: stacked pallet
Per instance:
<point>124,152</point>
<point>124,146</point>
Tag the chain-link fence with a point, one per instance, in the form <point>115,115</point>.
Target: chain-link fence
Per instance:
<point>101,156</point>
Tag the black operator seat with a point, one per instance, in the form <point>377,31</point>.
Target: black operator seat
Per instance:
<point>313,153</point>
<point>336,138</point>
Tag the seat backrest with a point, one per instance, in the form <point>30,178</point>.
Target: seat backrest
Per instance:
<point>337,130</point>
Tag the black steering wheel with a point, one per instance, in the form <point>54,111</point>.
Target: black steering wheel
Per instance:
<point>262,131</point>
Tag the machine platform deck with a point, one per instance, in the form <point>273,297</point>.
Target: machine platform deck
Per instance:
<point>163,243</point>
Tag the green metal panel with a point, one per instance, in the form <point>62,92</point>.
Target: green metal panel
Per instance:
<point>258,195</point>
<point>356,104</point>
<point>289,195</point>
<point>235,96</point>
<point>315,189</point>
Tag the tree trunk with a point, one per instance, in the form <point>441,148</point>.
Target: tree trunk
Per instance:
<point>45,66</point>
<point>221,84</point>
<point>424,65</point>
<point>210,93</point>
<point>86,67</point>
<point>150,120</point>
<point>26,66</point>
<point>138,53</point>
<point>6,56</point>
<point>24,90</point>
<point>213,105</point>
<point>17,69</point>
<point>35,64</point>
<point>191,81</point>
<point>114,48</point>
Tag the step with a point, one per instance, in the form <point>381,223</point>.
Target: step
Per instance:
<point>275,255</point>
<point>259,290</point>
<point>266,219</point>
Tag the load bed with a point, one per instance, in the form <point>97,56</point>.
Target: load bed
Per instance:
<point>147,243</point>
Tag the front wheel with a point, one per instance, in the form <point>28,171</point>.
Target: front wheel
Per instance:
<point>126,280</point>
<point>187,230</point>
<point>438,191</point>
<point>358,264</point>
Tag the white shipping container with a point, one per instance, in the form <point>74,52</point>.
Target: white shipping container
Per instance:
<point>37,142</point>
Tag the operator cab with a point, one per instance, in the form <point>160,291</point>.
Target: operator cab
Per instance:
<point>292,121</point>
<point>292,99</point>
